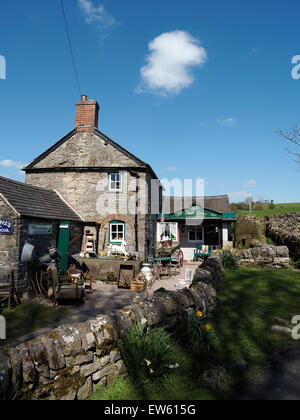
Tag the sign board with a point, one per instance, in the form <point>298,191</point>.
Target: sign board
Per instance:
<point>6,227</point>
<point>40,229</point>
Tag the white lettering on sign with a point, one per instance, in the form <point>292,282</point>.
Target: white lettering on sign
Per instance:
<point>40,229</point>
<point>6,227</point>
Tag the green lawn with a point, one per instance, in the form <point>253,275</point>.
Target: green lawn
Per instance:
<point>248,302</point>
<point>27,318</point>
<point>279,209</point>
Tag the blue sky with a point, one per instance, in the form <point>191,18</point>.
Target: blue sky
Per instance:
<point>195,88</point>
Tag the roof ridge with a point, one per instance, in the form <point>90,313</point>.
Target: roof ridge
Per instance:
<point>23,184</point>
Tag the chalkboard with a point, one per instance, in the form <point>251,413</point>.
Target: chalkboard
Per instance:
<point>6,227</point>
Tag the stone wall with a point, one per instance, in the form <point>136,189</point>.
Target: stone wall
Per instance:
<point>9,244</point>
<point>67,363</point>
<point>248,228</point>
<point>266,256</point>
<point>87,193</point>
<point>284,229</point>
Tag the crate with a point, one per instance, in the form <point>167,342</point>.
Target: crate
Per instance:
<point>137,286</point>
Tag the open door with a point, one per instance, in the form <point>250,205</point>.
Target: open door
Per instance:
<point>63,246</point>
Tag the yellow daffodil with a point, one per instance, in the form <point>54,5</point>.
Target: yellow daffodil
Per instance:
<point>208,327</point>
<point>199,314</point>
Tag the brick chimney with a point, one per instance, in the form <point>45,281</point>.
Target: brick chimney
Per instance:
<point>86,114</point>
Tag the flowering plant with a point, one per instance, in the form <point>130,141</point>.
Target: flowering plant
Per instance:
<point>200,332</point>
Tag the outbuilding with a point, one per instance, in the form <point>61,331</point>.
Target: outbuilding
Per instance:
<point>37,215</point>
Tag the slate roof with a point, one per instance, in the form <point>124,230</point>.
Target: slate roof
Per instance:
<point>36,202</point>
<point>219,203</point>
<point>103,137</point>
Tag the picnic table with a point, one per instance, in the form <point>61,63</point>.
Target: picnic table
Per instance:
<point>164,266</point>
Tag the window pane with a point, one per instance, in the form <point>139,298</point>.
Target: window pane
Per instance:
<point>199,234</point>
<point>192,234</point>
<point>117,232</point>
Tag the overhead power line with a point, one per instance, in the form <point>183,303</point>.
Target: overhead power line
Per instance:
<point>70,45</point>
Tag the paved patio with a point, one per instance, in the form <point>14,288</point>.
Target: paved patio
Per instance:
<point>106,298</point>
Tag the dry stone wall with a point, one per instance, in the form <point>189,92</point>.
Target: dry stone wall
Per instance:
<point>266,256</point>
<point>284,229</point>
<point>68,362</point>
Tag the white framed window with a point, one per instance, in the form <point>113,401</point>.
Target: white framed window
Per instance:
<point>167,232</point>
<point>196,234</point>
<point>116,232</point>
<point>115,182</point>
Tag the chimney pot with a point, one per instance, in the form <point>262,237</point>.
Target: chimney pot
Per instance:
<point>83,98</point>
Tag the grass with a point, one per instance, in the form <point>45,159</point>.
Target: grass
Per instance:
<point>248,302</point>
<point>27,318</point>
<point>279,209</point>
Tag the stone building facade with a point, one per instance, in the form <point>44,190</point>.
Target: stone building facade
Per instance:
<point>34,215</point>
<point>105,184</point>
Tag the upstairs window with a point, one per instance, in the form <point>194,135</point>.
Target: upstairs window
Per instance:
<point>116,232</point>
<point>115,182</point>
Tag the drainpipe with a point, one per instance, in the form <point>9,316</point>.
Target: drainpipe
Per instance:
<point>136,225</point>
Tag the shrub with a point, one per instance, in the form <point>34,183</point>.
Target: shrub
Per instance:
<point>270,242</point>
<point>146,355</point>
<point>297,264</point>
<point>230,261</point>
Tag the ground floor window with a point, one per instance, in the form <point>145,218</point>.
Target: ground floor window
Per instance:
<point>195,234</point>
<point>167,232</point>
<point>116,232</point>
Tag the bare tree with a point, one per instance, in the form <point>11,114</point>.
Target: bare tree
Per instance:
<point>293,136</point>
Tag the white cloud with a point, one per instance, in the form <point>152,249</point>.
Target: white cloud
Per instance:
<point>169,63</point>
<point>227,122</point>
<point>96,14</point>
<point>7,163</point>
<point>240,195</point>
<point>251,183</point>
<point>172,168</point>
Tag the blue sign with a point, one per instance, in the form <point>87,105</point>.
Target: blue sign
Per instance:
<point>6,227</point>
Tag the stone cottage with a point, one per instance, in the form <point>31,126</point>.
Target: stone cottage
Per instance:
<point>110,189</point>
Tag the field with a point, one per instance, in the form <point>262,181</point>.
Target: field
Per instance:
<point>279,209</point>
<point>248,302</point>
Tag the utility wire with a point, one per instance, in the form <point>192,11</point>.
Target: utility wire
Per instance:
<point>70,45</point>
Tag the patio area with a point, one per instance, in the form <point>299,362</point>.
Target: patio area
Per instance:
<point>107,298</point>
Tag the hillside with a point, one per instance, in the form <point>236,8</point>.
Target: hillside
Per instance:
<point>279,209</point>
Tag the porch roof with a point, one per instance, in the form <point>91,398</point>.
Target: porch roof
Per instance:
<point>206,215</point>
<point>207,208</point>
